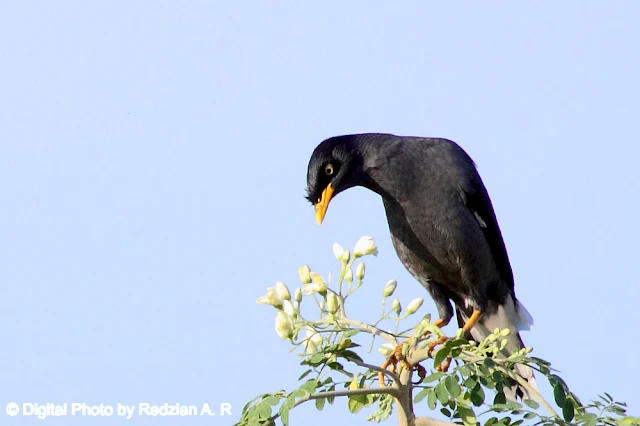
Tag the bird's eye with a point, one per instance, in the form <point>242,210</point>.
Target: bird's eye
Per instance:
<point>328,169</point>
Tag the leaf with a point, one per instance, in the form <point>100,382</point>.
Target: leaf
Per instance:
<point>356,403</point>
<point>310,386</point>
<point>559,395</point>
<point>432,399</point>
<point>470,382</point>
<point>452,386</point>
<point>500,399</point>
<point>488,362</point>
<point>303,375</point>
<point>531,403</point>
<point>284,415</point>
<point>320,403</point>
<point>350,355</point>
<point>433,377</point>
<point>350,333</point>
<point>477,396</point>
<point>467,415</point>
<point>441,393</point>
<point>491,421</point>
<point>441,355</point>
<point>316,359</point>
<point>421,395</point>
<point>530,415</point>
<point>445,411</point>
<point>511,405</point>
<point>568,411</point>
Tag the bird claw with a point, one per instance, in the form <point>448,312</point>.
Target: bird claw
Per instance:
<point>435,343</point>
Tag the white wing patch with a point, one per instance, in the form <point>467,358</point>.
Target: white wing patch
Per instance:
<point>479,219</point>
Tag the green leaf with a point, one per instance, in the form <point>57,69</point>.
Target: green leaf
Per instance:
<point>453,387</point>
<point>530,415</point>
<point>559,395</point>
<point>350,355</point>
<point>320,403</point>
<point>531,403</point>
<point>511,405</point>
<point>568,411</point>
<point>500,399</point>
<point>316,358</point>
<point>350,333</point>
<point>470,382</point>
<point>477,396</point>
<point>441,393</point>
<point>488,383</point>
<point>284,415</point>
<point>421,395</point>
<point>445,411</point>
<point>488,362</point>
<point>432,399</point>
<point>356,403</point>
<point>310,386</point>
<point>467,415</point>
<point>433,377</point>
<point>441,355</point>
<point>491,421</point>
<point>303,375</point>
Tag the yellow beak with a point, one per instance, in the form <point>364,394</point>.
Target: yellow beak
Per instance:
<point>323,204</point>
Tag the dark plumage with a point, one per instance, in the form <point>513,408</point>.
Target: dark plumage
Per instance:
<point>441,220</point>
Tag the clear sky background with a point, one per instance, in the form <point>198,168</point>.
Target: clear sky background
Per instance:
<point>153,166</point>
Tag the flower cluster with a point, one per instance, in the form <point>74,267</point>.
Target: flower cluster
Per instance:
<point>330,301</point>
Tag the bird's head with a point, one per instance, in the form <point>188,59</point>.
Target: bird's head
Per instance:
<point>335,165</point>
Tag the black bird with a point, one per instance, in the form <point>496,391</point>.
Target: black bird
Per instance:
<point>441,220</point>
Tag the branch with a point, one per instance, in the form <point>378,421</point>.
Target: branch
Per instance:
<point>393,391</point>
<point>393,376</point>
<point>371,329</point>
<point>533,392</point>
<point>428,421</point>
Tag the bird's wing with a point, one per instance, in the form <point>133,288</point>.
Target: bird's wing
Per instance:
<point>478,202</point>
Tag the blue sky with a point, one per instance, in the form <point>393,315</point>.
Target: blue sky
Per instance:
<point>153,166</point>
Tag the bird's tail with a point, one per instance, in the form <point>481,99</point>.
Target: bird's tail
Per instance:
<point>515,317</point>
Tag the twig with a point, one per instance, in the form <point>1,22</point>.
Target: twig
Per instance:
<point>393,376</point>
<point>533,392</point>
<point>371,329</point>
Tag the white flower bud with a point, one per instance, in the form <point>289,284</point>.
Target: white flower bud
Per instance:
<point>396,307</point>
<point>414,305</point>
<point>284,325</point>
<point>310,347</point>
<point>271,298</point>
<point>282,290</point>
<point>289,308</point>
<point>333,303</point>
<point>386,349</point>
<point>348,275</point>
<point>297,295</point>
<point>365,246</point>
<point>338,251</point>
<point>389,288</point>
<point>305,274</point>
<point>318,285</point>
<point>360,271</point>
<point>313,336</point>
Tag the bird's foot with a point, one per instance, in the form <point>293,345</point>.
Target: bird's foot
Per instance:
<point>444,366</point>
<point>398,360</point>
<point>435,343</point>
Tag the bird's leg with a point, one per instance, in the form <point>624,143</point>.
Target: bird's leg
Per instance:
<point>397,358</point>
<point>473,320</point>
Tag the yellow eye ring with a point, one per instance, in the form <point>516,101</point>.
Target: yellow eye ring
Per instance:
<point>328,169</point>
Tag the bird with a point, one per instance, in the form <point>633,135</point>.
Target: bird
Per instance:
<point>442,225</point>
